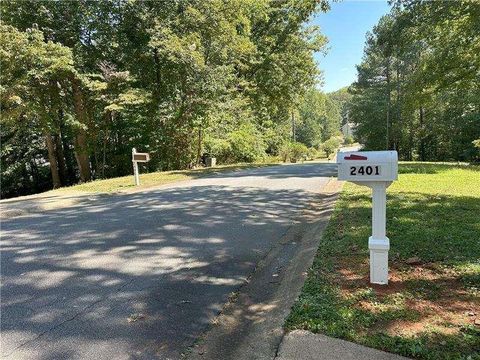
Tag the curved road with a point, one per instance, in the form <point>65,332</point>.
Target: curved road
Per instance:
<point>140,276</point>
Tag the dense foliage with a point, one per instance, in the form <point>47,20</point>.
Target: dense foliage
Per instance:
<point>83,82</point>
<point>320,118</point>
<point>418,88</point>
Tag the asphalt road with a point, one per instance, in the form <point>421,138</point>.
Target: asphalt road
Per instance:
<point>140,276</point>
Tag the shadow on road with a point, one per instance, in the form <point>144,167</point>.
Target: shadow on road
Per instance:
<point>305,170</point>
<point>140,274</point>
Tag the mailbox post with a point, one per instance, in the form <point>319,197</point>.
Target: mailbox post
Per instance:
<point>377,170</point>
<point>136,158</point>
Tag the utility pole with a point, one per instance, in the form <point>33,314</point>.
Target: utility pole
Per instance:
<point>293,127</point>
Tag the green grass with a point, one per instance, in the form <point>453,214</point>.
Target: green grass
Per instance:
<point>151,179</point>
<point>433,214</point>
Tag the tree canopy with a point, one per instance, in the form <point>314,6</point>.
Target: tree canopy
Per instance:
<point>418,88</point>
<point>83,82</point>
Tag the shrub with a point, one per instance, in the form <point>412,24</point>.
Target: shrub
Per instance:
<point>293,151</point>
<point>247,144</point>
<point>242,145</point>
<point>330,146</point>
<point>284,152</point>
<point>299,152</point>
<point>218,148</point>
<point>313,153</point>
<point>476,155</point>
<point>348,140</point>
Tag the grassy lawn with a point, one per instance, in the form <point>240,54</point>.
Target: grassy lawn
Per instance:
<point>431,307</point>
<point>150,179</point>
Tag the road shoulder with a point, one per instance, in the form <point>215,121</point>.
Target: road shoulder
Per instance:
<point>250,326</point>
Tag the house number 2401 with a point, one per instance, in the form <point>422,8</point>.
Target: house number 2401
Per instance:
<point>364,170</point>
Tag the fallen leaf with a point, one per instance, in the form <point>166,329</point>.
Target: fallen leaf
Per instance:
<point>135,317</point>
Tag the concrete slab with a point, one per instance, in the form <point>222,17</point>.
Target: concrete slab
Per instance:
<point>304,345</point>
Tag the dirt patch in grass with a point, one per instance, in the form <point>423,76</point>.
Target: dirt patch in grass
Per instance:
<point>436,297</point>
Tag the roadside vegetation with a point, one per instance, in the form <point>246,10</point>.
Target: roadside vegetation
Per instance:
<point>83,82</point>
<point>157,178</point>
<point>431,307</point>
<point>417,88</point>
<point>152,179</point>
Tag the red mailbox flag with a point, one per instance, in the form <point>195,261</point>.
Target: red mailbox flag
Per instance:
<point>355,157</point>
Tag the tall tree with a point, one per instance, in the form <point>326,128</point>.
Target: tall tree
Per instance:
<point>172,78</point>
<point>418,83</point>
<point>34,79</point>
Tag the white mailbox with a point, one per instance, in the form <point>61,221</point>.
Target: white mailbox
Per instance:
<point>377,170</point>
<point>359,166</point>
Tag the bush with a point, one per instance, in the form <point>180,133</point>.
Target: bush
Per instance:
<point>313,153</point>
<point>348,140</point>
<point>218,148</point>
<point>476,154</point>
<point>299,152</point>
<point>242,145</point>
<point>284,152</point>
<point>330,146</point>
<point>293,151</point>
<point>247,144</point>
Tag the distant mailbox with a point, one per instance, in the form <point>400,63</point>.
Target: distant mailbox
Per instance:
<point>141,157</point>
<point>136,158</point>
<point>360,166</point>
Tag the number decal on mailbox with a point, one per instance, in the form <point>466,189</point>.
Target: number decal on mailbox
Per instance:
<point>364,170</point>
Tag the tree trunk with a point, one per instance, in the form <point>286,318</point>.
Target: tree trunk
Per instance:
<point>81,148</point>
<point>422,135</point>
<point>389,101</point>
<point>35,175</point>
<point>81,156</point>
<point>399,107</point>
<point>52,158</point>
<point>157,75</point>
<point>107,120</point>
<point>104,154</point>
<point>294,135</point>
<point>62,168</point>
<point>199,146</point>
<point>69,162</point>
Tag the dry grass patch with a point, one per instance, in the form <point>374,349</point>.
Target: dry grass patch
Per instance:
<point>434,296</point>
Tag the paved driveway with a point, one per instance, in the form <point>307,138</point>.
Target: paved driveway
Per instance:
<point>140,276</point>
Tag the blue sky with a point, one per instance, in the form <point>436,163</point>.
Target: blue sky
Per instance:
<point>345,25</point>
